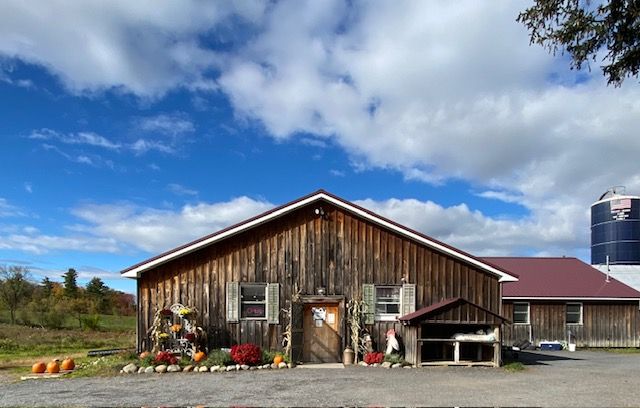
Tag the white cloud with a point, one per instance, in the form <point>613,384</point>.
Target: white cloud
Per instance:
<point>37,243</point>
<point>144,47</point>
<point>167,124</point>
<point>9,210</point>
<point>179,189</point>
<point>142,146</point>
<point>481,235</point>
<point>80,138</point>
<point>28,187</point>
<point>154,230</point>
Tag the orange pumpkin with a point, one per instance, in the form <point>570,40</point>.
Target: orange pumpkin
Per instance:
<point>278,359</point>
<point>144,354</point>
<point>53,367</point>
<point>68,364</point>
<point>199,356</point>
<point>38,368</point>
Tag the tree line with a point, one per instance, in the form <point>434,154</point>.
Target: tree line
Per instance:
<point>51,304</point>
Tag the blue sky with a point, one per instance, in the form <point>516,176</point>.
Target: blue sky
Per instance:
<point>129,128</point>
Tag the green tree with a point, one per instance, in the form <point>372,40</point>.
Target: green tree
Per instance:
<point>70,283</point>
<point>15,288</point>
<point>99,293</point>
<point>79,307</point>
<point>584,28</point>
<point>47,287</point>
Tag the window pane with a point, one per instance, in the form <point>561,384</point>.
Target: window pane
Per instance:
<point>388,294</point>
<point>254,310</point>
<point>253,293</point>
<point>573,309</point>
<point>521,313</point>
<point>574,313</point>
<point>393,308</point>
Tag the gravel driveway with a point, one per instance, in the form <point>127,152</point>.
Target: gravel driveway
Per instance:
<point>551,379</point>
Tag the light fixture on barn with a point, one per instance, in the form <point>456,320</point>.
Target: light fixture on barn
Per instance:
<point>319,211</point>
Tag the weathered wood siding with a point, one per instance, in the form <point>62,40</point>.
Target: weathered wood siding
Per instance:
<point>301,250</point>
<point>604,324</point>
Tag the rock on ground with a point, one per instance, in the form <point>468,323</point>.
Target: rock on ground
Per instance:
<point>203,369</point>
<point>149,370</point>
<point>161,369</point>
<point>130,369</point>
<point>173,368</point>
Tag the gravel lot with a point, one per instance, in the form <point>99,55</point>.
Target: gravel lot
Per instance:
<point>551,379</point>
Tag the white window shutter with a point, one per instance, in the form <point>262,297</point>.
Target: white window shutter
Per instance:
<point>273,303</point>
<point>233,301</point>
<point>369,298</point>
<point>408,298</point>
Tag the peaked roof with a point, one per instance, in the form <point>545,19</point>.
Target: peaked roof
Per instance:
<point>563,278</point>
<point>441,307</point>
<point>136,270</point>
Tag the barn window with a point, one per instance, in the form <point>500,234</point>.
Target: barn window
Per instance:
<point>521,313</point>
<point>253,301</point>
<point>574,313</point>
<point>386,302</point>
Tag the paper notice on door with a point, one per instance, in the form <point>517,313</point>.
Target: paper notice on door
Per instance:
<point>331,318</point>
<point>318,323</point>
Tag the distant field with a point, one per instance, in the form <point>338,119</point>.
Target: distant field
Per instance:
<point>107,322</point>
<point>22,345</point>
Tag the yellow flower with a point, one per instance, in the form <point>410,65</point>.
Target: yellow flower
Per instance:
<point>176,328</point>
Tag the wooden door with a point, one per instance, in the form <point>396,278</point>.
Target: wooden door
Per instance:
<point>322,340</point>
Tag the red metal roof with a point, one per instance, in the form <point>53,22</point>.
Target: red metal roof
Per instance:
<point>559,277</point>
<point>442,306</point>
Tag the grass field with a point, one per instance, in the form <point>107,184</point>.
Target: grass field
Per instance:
<point>107,322</point>
<point>21,346</point>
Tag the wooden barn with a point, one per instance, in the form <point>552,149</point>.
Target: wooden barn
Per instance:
<point>312,257</point>
<point>558,298</point>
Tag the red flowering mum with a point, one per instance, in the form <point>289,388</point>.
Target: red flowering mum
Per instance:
<point>372,358</point>
<point>165,357</point>
<point>248,354</point>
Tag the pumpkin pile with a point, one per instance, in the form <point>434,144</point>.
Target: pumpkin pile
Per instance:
<point>54,366</point>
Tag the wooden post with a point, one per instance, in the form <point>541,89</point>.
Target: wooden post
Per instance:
<point>419,346</point>
<point>497,348</point>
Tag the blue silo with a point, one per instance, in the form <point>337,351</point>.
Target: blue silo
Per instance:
<point>615,229</point>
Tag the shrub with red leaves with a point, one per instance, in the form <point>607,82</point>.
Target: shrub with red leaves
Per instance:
<point>248,354</point>
<point>165,357</point>
<point>372,358</point>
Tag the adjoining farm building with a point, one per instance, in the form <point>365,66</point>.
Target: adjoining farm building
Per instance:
<point>558,298</point>
<point>313,256</point>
